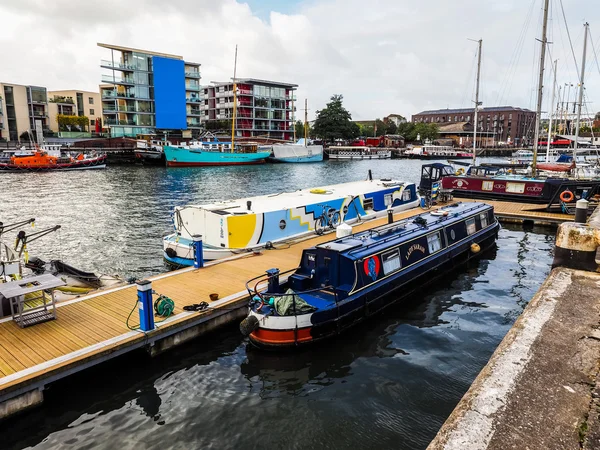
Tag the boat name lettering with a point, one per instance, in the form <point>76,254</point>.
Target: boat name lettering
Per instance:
<point>499,186</point>
<point>459,183</point>
<point>413,248</point>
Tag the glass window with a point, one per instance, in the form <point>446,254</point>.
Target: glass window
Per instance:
<point>487,186</point>
<point>406,196</point>
<point>91,100</point>
<point>434,242</point>
<point>92,122</point>
<point>91,112</point>
<point>387,199</point>
<point>515,188</point>
<point>471,227</point>
<point>484,220</point>
<point>390,261</point>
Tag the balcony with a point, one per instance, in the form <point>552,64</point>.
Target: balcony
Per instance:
<point>39,114</point>
<point>194,112</point>
<point>193,99</point>
<point>193,124</point>
<point>119,122</point>
<point>62,99</point>
<point>116,65</point>
<point>291,97</point>
<point>192,87</point>
<point>224,94</point>
<point>117,80</point>
<point>192,74</point>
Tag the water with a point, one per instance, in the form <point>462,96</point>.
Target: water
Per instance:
<point>389,383</point>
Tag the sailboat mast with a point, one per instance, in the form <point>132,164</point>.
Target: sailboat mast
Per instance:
<point>305,122</point>
<point>551,110</point>
<point>477,103</point>
<point>538,112</point>
<point>581,85</point>
<point>234,103</point>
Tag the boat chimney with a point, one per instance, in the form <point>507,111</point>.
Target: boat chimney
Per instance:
<point>370,175</point>
<point>249,205</point>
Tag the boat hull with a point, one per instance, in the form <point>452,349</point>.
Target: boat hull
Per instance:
<point>292,153</point>
<point>353,310</point>
<point>86,164</point>
<point>181,157</point>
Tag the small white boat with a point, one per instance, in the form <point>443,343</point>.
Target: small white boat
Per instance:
<point>340,152</point>
<point>248,224</point>
<point>301,151</point>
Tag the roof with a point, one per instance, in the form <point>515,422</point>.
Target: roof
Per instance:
<point>471,110</point>
<point>456,127</point>
<point>137,50</point>
<point>253,81</point>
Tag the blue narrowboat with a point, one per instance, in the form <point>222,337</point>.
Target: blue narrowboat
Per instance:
<point>344,281</point>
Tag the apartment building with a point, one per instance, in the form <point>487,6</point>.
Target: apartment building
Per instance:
<point>74,103</point>
<point>509,124</point>
<point>145,92</point>
<point>264,108</point>
<point>20,107</point>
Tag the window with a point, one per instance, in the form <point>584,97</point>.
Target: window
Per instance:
<point>406,196</point>
<point>484,220</point>
<point>390,261</point>
<point>434,242</point>
<point>487,186</point>
<point>387,199</point>
<point>92,122</point>
<point>515,188</point>
<point>91,100</point>
<point>91,112</point>
<point>368,203</point>
<point>471,227</point>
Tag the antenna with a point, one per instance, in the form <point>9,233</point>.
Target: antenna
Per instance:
<point>234,102</point>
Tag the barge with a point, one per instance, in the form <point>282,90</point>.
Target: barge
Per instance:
<point>341,282</point>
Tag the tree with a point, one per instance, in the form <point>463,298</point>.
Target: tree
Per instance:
<point>381,127</point>
<point>335,122</point>
<point>299,126</point>
<point>68,123</point>
<point>391,128</point>
<point>366,130</point>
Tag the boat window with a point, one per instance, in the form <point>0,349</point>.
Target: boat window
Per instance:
<point>391,261</point>
<point>483,218</point>
<point>368,203</point>
<point>387,199</point>
<point>471,227</point>
<point>406,196</point>
<point>487,186</point>
<point>434,242</point>
<point>282,224</point>
<point>515,188</point>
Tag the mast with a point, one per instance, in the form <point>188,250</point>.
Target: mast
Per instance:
<point>234,102</point>
<point>538,112</point>
<point>477,103</point>
<point>551,110</point>
<point>306,122</point>
<point>581,85</point>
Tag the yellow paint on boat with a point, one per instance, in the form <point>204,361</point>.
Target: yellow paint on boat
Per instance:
<point>241,229</point>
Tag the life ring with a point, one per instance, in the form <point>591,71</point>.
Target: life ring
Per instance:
<point>567,196</point>
<point>460,171</point>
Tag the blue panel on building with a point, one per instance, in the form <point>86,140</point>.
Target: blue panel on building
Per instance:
<point>169,93</point>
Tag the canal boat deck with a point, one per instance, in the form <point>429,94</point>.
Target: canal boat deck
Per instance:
<point>92,329</point>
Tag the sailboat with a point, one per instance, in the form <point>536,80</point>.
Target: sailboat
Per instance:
<point>301,151</point>
<point>490,183</point>
<point>217,153</point>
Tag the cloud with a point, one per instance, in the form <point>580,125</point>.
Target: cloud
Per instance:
<point>384,56</point>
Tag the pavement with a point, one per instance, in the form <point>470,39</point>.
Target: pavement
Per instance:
<point>540,389</point>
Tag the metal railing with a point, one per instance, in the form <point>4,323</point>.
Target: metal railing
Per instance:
<point>192,87</point>
<point>116,65</point>
<point>192,74</point>
<point>111,79</point>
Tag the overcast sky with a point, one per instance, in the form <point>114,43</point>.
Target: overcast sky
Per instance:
<point>384,56</point>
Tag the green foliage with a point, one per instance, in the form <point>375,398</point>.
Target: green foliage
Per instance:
<point>68,123</point>
<point>366,130</point>
<point>62,99</point>
<point>411,131</point>
<point>335,122</point>
<point>299,127</point>
<point>381,127</point>
<point>391,128</point>
<point>218,125</point>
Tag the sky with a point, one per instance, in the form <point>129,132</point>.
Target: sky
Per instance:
<point>383,56</point>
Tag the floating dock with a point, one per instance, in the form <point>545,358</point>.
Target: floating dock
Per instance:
<point>93,329</point>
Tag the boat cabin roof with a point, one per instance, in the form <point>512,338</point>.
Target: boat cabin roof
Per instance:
<point>302,197</point>
<point>365,243</point>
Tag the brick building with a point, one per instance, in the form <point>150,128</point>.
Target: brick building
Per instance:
<point>505,124</point>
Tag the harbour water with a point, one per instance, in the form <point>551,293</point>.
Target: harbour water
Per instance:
<point>390,383</point>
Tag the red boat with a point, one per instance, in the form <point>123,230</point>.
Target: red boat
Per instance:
<point>41,161</point>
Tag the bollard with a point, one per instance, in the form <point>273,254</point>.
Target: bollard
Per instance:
<point>581,209</point>
<point>144,293</point>
<point>390,214</point>
<point>198,251</point>
<point>273,281</point>
<point>370,175</point>
<point>576,247</point>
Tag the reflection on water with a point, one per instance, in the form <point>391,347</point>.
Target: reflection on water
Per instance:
<point>387,383</point>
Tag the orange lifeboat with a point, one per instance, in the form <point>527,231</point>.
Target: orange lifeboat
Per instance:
<point>40,160</point>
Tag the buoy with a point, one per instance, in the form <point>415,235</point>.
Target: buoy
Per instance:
<point>475,248</point>
<point>318,191</point>
<point>567,196</point>
<point>248,325</point>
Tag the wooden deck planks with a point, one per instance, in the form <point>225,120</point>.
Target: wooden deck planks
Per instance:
<point>100,318</point>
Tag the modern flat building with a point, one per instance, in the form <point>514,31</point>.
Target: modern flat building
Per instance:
<point>20,107</point>
<point>512,125</point>
<point>145,92</point>
<point>264,108</point>
<point>74,103</point>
